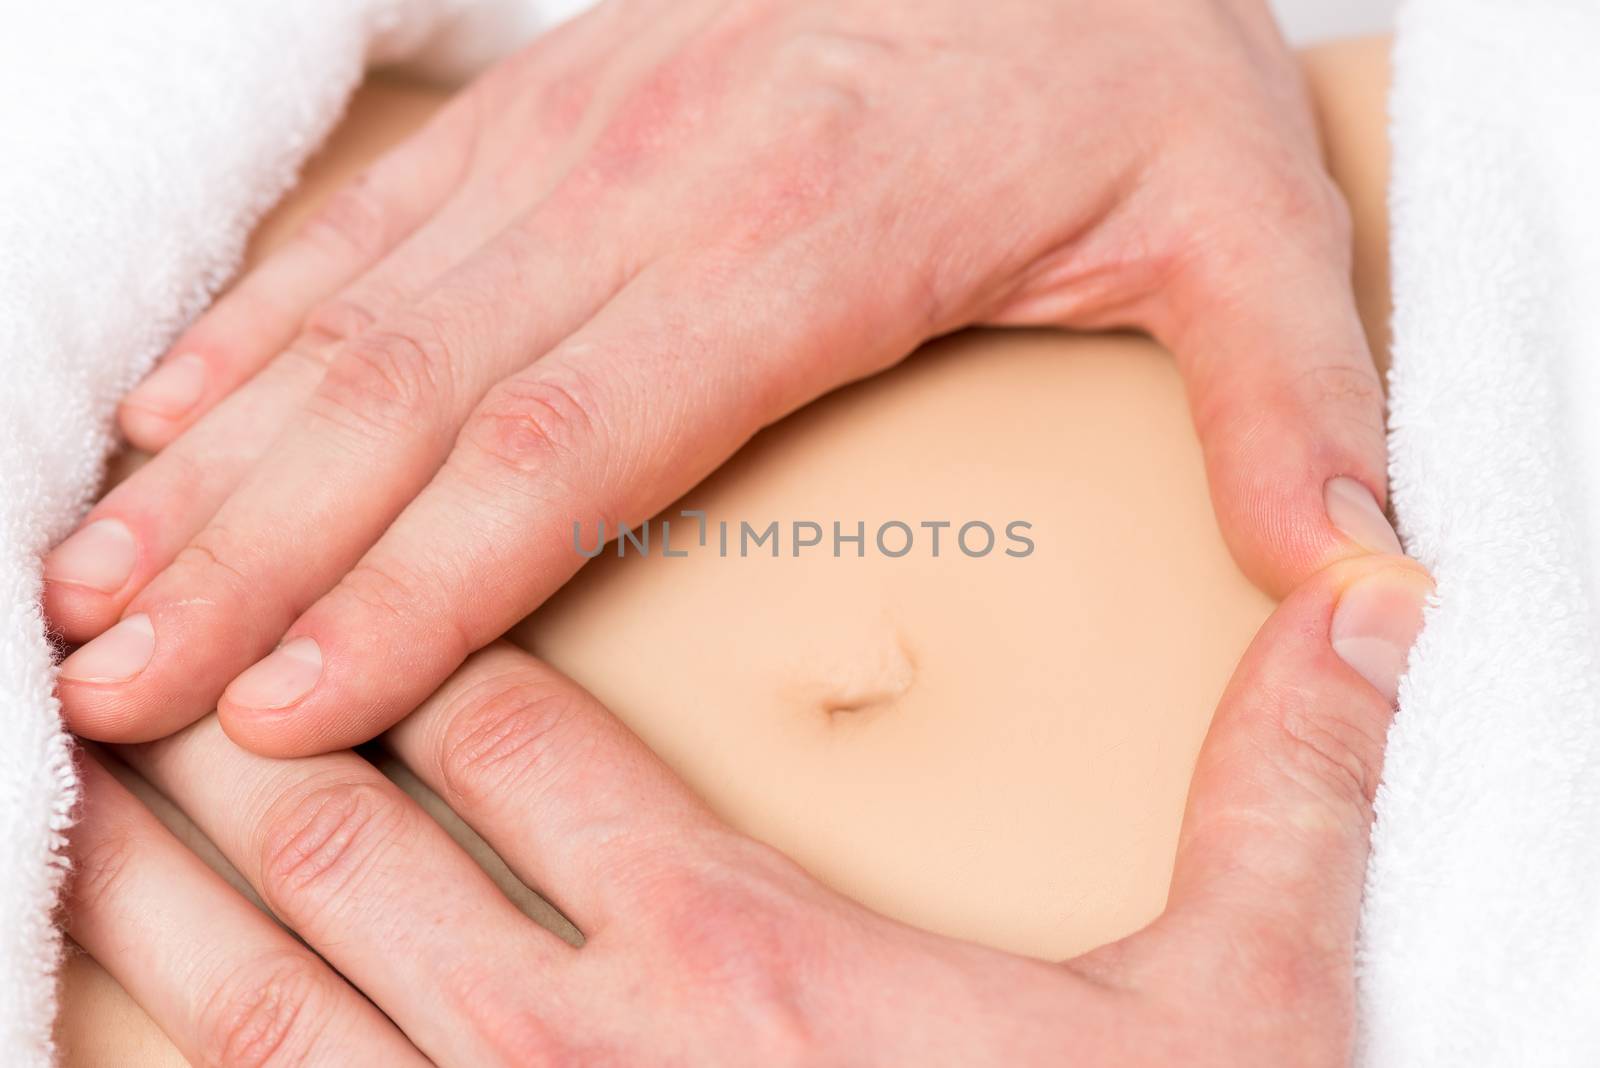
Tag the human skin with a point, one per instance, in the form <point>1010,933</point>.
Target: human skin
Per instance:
<point>702,946</point>
<point>1121,877</point>
<point>624,251</point>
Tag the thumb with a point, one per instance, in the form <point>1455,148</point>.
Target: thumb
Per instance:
<point>1272,853</point>
<point>1288,406</point>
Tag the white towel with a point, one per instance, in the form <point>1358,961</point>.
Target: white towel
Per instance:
<point>138,144</point>
<point>1481,932</point>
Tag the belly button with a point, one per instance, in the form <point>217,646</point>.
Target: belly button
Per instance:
<point>872,682</point>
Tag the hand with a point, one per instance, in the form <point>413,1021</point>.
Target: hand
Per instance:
<point>703,947</point>
<point>621,253</point>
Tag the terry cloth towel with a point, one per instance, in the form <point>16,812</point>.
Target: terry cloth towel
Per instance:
<point>139,142</point>
<point>1481,932</point>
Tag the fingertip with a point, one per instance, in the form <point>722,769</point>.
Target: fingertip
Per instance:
<point>1377,620</point>
<point>86,574</point>
<point>284,706</point>
<point>1354,511</point>
<point>269,707</point>
<point>1289,507</point>
<point>1291,419</point>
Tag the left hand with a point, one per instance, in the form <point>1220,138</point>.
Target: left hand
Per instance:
<point>703,947</point>
<point>621,253</point>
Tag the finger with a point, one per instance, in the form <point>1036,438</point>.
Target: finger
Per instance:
<point>141,526</point>
<point>93,577</point>
<point>136,530</point>
<point>227,984</point>
<point>1273,849</point>
<point>1288,404</point>
<point>375,431</point>
<point>261,314</point>
<point>573,802</point>
<point>377,888</point>
<point>618,421</point>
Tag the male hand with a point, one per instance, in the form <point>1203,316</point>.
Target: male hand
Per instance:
<point>621,253</point>
<point>703,947</point>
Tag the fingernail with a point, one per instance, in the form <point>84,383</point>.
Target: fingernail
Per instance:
<point>116,656</point>
<point>1375,624</point>
<point>173,388</point>
<point>281,679</point>
<point>1354,510</point>
<point>99,556</point>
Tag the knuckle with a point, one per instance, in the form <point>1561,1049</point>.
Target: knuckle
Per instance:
<point>507,734</point>
<point>306,359</point>
<point>731,933</point>
<point>399,596</point>
<point>1303,199</point>
<point>655,114</point>
<point>381,589</point>
<point>341,318</point>
<point>101,869</point>
<point>352,221</point>
<point>539,425</point>
<point>851,66</point>
<point>266,1012</point>
<point>518,1033</point>
<point>218,559</point>
<point>386,381</point>
<point>1334,756</point>
<point>1352,393</point>
<point>1287,214</point>
<point>321,839</point>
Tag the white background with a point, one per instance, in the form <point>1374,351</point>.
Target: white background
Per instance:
<point>1306,21</point>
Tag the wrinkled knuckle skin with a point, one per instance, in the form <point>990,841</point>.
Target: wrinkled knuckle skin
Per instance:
<point>1332,754</point>
<point>321,840</point>
<point>382,590</point>
<point>391,596</point>
<point>100,871</point>
<point>507,735</point>
<point>217,559</point>
<point>531,427</point>
<point>386,382</point>
<point>353,221</point>
<point>265,1014</point>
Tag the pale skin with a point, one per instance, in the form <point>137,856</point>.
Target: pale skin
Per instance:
<point>621,253</point>
<point>1253,943</point>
